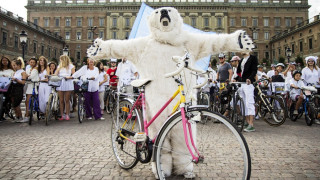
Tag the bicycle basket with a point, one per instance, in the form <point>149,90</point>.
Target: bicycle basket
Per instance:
<point>54,83</point>
<point>4,84</point>
<point>81,86</point>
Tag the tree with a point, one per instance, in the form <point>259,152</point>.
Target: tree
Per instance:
<point>214,63</point>
<point>281,59</point>
<point>299,60</point>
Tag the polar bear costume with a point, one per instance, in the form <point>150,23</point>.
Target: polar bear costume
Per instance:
<point>152,56</point>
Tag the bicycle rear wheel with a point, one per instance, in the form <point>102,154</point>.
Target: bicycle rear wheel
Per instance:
<point>311,116</point>
<point>277,115</point>
<point>31,110</point>
<point>49,109</point>
<point>109,103</point>
<point>224,149</point>
<point>124,150</point>
<point>1,103</point>
<point>238,113</point>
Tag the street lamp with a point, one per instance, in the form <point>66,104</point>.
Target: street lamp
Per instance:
<point>65,51</point>
<point>92,29</point>
<point>23,41</point>
<point>289,53</point>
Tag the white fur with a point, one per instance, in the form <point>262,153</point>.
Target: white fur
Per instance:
<point>152,57</point>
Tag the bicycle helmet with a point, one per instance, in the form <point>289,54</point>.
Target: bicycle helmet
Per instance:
<point>296,72</point>
<point>113,60</point>
<point>280,64</point>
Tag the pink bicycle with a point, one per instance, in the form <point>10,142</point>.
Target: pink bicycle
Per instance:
<point>208,150</point>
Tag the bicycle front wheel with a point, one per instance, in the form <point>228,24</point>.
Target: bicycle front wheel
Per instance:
<point>31,110</point>
<point>311,116</point>
<point>224,149</point>
<point>49,109</point>
<point>123,149</point>
<point>238,113</point>
<point>274,113</point>
<point>81,111</point>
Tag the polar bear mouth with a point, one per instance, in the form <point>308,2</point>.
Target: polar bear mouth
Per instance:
<point>165,19</point>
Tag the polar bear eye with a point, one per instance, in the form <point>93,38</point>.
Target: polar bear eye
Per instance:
<point>169,10</point>
<point>156,12</point>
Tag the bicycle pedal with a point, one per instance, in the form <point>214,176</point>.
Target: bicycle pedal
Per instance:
<point>140,137</point>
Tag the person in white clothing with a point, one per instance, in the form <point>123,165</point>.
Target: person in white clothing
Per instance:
<point>6,71</point>
<point>44,88</point>
<point>65,69</point>
<point>260,72</point>
<point>91,73</point>
<point>32,75</point>
<point>103,79</point>
<point>295,93</point>
<point>311,72</point>
<point>126,72</point>
<point>271,72</point>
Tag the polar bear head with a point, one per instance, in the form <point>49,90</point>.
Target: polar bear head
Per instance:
<point>165,25</point>
<point>95,50</point>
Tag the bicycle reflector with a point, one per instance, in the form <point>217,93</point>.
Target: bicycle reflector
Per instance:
<point>125,109</point>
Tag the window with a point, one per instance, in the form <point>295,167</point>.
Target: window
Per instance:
<point>127,34</point>
<point>206,22</point>
<point>277,22</point>
<point>265,1</point>
<point>57,22</point>
<point>255,35</point>
<point>114,22</point>
<point>4,38</point>
<point>114,35</point>
<point>267,55</point>
<point>310,43</point>
<point>242,1</point>
<point>288,22</point>
<point>78,55</point>
<point>46,22</point>
<point>49,52</point>
<point>68,22</point>
<point>67,35</point>
<point>266,35</point>
<point>279,51</point>
<point>79,22</point>
<point>101,34</point>
<point>219,22</point>
<point>254,1</point>
<point>193,22</point>
<point>101,21</point>
<point>16,41</point>
<point>266,21</point>
<point>255,22</point>
<point>232,1</point>
<point>292,48</point>
<point>35,21</point>
<point>232,22</point>
<point>301,46</point>
<point>127,22</point>
<point>34,47</point>
<point>90,21</point>
<point>78,35</point>
<point>42,49</point>
<point>243,22</point>
<point>90,35</point>
<point>55,53</point>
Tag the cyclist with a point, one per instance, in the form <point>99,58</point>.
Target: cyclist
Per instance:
<point>260,72</point>
<point>65,69</point>
<point>6,70</point>
<point>103,78</point>
<point>295,93</point>
<point>278,75</point>
<point>44,88</point>
<point>33,75</point>
<point>271,72</point>
<point>18,81</point>
<point>112,74</point>
<point>224,72</point>
<point>126,72</point>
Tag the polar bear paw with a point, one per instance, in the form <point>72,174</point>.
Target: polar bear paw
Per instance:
<point>245,42</point>
<point>189,175</point>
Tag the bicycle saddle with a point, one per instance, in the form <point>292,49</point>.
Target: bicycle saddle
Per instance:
<point>140,82</point>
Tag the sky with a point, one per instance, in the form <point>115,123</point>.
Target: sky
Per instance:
<point>17,7</point>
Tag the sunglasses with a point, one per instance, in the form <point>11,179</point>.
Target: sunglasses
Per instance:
<point>221,57</point>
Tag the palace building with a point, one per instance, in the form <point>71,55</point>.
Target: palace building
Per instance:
<point>81,21</point>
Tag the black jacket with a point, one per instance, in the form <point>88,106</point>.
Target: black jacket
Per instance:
<point>250,70</point>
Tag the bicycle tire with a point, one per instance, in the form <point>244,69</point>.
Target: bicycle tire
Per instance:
<point>276,116</point>
<point>238,114</point>
<point>124,150</point>
<point>293,117</point>
<point>31,110</point>
<point>224,148</point>
<point>108,103</point>
<point>81,111</point>
<point>1,104</point>
<point>284,104</point>
<point>49,110</point>
<point>310,116</point>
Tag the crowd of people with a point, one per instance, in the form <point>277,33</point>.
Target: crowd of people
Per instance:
<point>245,69</point>
<point>33,78</point>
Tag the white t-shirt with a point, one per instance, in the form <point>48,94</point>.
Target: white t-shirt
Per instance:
<point>260,74</point>
<point>270,73</point>
<point>310,76</point>
<point>101,78</point>
<point>7,73</point>
<point>294,92</point>
<point>64,72</point>
<point>125,72</point>
<point>93,85</point>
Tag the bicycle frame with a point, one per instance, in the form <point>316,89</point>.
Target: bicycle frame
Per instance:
<point>35,96</point>
<point>182,102</point>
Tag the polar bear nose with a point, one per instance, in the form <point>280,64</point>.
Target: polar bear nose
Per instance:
<point>164,12</point>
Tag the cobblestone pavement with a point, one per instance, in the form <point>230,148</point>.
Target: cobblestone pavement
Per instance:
<point>69,150</point>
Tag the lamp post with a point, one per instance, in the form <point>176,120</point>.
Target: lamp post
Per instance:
<point>253,30</point>
<point>65,51</point>
<point>23,41</point>
<point>289,53</point>
<point>92,29</point>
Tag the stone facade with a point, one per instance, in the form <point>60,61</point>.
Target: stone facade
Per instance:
<point>40,41</point>
<point>262,19</point>
<point>303,39</point>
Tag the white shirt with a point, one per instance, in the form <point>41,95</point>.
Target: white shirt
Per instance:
<point>270,73</point>
<point>93,85</point>
<point>260,74</point>
<point>33,75</point>
<point>100,79</point>
<point>64,72</point>
<point>243,63</point>
<point>310,76</point>
<point>18,75</point>
<point>125,72</point>
<point>294,91</point>
<point>7,73</point>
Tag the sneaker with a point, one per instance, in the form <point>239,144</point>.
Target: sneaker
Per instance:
<point>295,112</point>
<point>25,119</point>
<point>250,129</point>
<point>67,118</point>
<point>89,118</point>
<point>245,125</point>
<point>317,121</point>
<point>102,118</point>
<point>257,117</point>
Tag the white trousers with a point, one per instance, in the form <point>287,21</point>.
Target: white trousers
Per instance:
<point>247,94</point>
<point>101,98</point>
<point>44,92</point>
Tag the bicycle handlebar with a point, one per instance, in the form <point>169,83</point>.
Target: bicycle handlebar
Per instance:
<point>183,63</point>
